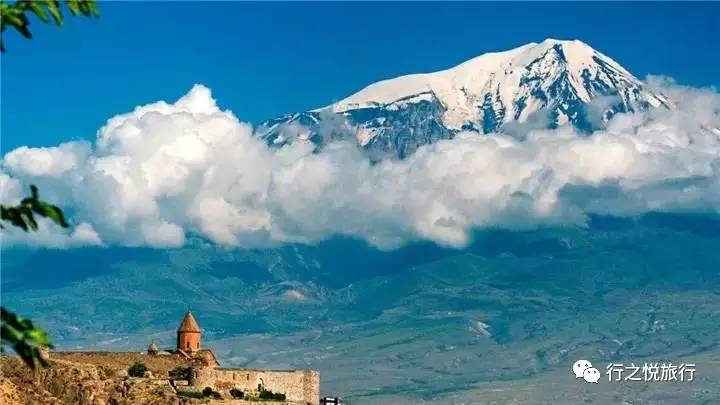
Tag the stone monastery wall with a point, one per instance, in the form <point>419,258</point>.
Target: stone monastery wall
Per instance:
<point>120,361</point>
<point>300,387</point>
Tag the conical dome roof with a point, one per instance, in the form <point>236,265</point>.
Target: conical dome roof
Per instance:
<point>188,324</point>
<point>153,347</point>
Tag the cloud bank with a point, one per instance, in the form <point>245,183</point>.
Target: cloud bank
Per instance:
<point>166,172</point>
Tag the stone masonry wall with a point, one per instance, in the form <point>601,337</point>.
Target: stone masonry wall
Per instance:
<point>300,387</point>
<point>120,361</point>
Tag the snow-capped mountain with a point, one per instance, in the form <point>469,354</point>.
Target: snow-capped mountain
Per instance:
<point>534,86</point>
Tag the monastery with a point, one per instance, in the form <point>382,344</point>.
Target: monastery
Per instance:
<point>202,369</point>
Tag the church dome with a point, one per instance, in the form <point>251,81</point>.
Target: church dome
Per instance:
<point>188,324</point>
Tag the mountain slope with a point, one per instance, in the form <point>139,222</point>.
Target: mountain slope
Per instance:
<point>407,324</point>
<point>534,86</point>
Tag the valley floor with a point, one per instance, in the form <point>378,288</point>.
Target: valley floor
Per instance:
<point>558,387</point>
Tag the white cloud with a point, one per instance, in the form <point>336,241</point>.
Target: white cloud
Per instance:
<point>164,172</point>
<point>47,162</point>
<point>48,235</point>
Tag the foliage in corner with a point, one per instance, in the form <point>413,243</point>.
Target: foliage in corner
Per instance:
<point>23,215</point>
<point>25,338</point>
<point>48,11</point>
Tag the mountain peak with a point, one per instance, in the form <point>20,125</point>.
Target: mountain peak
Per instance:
<point>571,42</point>
<point>480,74</point>
<point>571,45</point>
<point>554,82</point>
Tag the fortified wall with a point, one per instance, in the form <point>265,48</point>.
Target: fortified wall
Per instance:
<point>299,386</point>
<point>120,361</point>
<point>198,368</point>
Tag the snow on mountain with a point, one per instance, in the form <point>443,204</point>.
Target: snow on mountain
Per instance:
<point>536,85</point>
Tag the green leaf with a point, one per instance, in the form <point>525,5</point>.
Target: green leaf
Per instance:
<point>22,216</point>
<point>37,9</point>
<point>74,6</point>
<point>13,215</point>
<point>52,212</point>
<point>24,337</point>
<point>34,192</point>
<point>27,217</point>
<point>84,7</point>
<point>39,336</point>
<point>54,9</point>
<point>16,19</point>
<point>13,15</point>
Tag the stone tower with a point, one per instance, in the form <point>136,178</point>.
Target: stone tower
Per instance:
<point>188,335</point>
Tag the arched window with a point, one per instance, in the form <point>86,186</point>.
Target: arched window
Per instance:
<point>198,345</point>
<point>187,345</point>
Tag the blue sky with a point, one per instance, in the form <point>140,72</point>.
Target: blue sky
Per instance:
<point>265,59</point>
